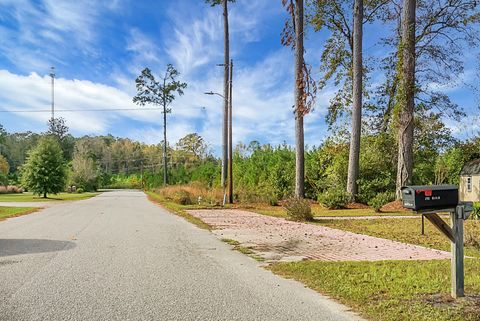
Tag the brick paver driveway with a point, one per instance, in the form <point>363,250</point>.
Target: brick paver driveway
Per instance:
<point>279,239</point>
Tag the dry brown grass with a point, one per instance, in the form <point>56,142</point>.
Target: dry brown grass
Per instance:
<point>199,193</point>
<point>10,189</point>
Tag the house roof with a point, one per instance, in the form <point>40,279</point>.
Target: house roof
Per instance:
<point>471,168</point>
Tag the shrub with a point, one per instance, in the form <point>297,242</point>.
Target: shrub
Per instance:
<point>183,197</point>
<point>476,211</point>
<point>273,201</point>
<point>10,189</point>
<point>298,209</point>
<point>381,199</point>
<point>334,199</point>
<point>80,190</point>
<point>13,189</point>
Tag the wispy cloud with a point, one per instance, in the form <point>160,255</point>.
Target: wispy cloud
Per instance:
<point>36,34</point>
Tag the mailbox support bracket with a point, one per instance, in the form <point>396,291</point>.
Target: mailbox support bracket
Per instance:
<point>455,235</point>
<point>440,224</point>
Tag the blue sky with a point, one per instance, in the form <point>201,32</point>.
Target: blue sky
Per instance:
<point>99,47</point>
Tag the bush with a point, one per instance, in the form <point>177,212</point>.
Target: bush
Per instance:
<point>10,189</point>
<point>334,199</point>
<point>80,190</point>
<point>273,201</point>
<point>183,197</point>
<point>381,199</point>
<point>298,209</point>
<point>476,211</point>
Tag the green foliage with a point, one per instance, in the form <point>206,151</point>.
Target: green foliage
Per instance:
<point>476,211</point>
<point>334,199</point>
<point>214,3</point>
<point>84,173</point>
<point>381,199</point>
<point>298,209</point>
<point>4,170</point>
<point>264,171</point>
<point>80,190</point>
<point>45,172</point>
<point>378,159</point>
<point>159,93</point>
<point>326,167</point>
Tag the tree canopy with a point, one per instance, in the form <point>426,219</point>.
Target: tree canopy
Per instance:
<point>44,171</point>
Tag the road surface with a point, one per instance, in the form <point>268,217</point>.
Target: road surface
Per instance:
<point>119,257</point>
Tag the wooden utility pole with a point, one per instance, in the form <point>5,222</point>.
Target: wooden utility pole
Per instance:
<point>299,102</point>
<point>354,155</point>
<point>165,169</point>
<point>225,95</point>
<point>52,75</point>
<point>230,141</point>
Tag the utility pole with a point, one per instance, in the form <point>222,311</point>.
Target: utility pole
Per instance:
<point>230,142</point>
<point>52,75</point>
<point>225,95</point>
<point>141,171</point>
<point>165,171</point>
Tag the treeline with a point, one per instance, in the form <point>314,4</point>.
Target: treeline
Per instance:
<point>106,161</point>
<point>261,172</point>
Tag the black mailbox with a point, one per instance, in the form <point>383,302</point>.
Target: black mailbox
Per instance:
<point>431,197</point>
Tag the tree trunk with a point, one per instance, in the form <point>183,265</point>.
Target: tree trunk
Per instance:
<point>44,195</point>
<point>407,93</point>
<point>354,155</point>
<point>225,94</point>
<point>165,169</point>
<point>299,103</point>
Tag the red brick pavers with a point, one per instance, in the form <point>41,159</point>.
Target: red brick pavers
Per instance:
<point>279,239</point>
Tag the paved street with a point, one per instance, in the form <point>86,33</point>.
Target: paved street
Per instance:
<point>119,257</point>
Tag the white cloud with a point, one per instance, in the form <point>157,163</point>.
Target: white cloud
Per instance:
<point>263,90</point>
<point>32,92</point>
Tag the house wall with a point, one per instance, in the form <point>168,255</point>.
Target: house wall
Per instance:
<point>474,195</point>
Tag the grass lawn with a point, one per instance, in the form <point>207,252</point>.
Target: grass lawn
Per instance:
<point>409,231</point>
<point>29,197</point>
<point>391,290</point>
<point>317,210</point>
<point>6,212</point>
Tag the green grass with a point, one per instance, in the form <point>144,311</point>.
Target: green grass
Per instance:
<point>6,212</point>
<point>391,290</point>
<point>29,197</point>
<point>409,231</point>
<point>178,209</point>
<point>318,211</point>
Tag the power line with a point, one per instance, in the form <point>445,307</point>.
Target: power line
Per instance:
<point>74,110</point>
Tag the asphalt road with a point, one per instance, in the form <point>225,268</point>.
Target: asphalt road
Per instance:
<point>119,257</point>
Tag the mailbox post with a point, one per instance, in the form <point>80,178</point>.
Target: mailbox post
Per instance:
<point>431,200</point>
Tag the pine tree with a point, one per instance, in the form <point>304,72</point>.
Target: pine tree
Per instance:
<point>44,171</point>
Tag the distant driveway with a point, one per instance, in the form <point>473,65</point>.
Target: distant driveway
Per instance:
<point>119,257</point>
